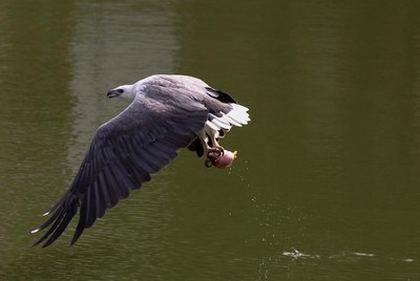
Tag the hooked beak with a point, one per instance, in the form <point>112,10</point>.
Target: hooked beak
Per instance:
<point>113,93</point>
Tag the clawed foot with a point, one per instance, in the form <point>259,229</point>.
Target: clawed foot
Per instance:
<point>213,153</point>
<point>208,163</point>
<point>219,157</point>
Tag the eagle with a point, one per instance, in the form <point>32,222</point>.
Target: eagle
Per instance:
<point>167,113</point>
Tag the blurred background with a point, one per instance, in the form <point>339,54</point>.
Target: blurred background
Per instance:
<point>327,184</point>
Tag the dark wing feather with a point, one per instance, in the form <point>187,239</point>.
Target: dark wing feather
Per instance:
<point>220,96</point>
<point>124,152</point>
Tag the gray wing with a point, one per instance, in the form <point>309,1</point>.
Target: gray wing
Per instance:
<point>123,153</point>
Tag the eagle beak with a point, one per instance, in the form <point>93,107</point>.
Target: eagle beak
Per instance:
<point>113,93</point>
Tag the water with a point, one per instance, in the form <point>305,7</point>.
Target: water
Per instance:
<point>327,183</point>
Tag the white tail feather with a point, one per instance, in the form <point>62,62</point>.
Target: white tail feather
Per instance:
<point>221,124</point>
<point>212,125</point>
<point>232,121</point>
<point>239,114</point>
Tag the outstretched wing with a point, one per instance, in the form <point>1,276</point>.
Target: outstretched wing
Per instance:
<point>123,153</point>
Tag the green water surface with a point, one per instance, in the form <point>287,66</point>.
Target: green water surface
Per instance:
<point>327,184</point>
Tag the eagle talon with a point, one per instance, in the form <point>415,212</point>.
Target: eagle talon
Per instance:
<point>219,160</point>
<point>208,163</point>
<point>214,153</point>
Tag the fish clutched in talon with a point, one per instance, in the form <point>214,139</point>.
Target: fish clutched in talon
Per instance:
<point>220,158</point>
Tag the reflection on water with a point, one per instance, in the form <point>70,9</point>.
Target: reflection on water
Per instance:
<point>107,55</point>
<point>326,186</point>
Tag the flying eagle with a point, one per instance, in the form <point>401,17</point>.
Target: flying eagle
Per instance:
<point>167,112</point>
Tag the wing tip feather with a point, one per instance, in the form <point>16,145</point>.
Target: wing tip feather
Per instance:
<point>60,219</point>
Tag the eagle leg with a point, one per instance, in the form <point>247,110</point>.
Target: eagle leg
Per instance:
<point>212,139</point>
<point>211,147</point>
